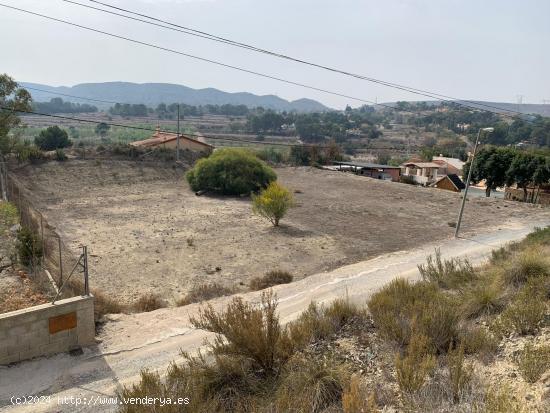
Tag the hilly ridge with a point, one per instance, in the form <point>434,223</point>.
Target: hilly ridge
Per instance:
<point>151,94</point>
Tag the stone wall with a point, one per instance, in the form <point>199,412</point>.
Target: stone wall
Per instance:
<point>46,329</point>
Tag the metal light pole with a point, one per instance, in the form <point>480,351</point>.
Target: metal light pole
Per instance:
<point>459,221</point>
<point>178,137</point>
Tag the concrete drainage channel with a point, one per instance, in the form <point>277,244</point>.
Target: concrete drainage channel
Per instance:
<point>47,329</point>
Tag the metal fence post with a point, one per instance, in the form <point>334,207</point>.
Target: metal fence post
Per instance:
<point>60,261</point>
<point>85,259</point>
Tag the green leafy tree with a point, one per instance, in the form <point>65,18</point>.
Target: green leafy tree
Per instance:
<point>522,171</point>
<point>52,138</point>
<point>273,202</point>
<point>491,164</point>
<point>12,99</point>
<point>102,129</point>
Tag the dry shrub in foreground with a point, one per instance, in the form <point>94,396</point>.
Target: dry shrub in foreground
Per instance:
<point>460,374</point>
<point>484,297</point>
<point>526,313</point>
<point>248,331</point>
<point>311,385</point>
<point>271,279</point>
<point>148,302</point>
<point>530,263</point>
<point>401,306</point>
<point>255,366</point>
<point>204,292</point>
<point>452,273</point>
<point>533,362</point>
<point>357,399</point>
<point>413,368</point>
<point>319,322</point>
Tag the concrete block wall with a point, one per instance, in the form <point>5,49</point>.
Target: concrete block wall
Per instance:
<point>46,329</point>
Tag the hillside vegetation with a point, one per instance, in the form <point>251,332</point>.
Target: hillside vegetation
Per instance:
<point>460,339</point>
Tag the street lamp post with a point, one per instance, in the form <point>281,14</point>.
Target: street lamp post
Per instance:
<point>459,221</point>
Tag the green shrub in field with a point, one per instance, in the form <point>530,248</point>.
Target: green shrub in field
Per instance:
<point>230,172</point>
<point>29,246</point>
<point>52,138</point>
<point>452,273</point>
<point>273,202</point>
<point>402,307</point>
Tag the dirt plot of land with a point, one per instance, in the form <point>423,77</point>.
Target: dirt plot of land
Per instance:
<point>148,232</point>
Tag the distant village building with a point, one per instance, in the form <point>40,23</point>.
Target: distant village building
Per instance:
<point>169,140</point>
<point>449,165</point>
<point>423,173</point>
<point>372,170</point>
<point>450,182</point>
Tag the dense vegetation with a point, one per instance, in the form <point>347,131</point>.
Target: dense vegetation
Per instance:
<point>501,166</point>
<point>170,111</point>
<point>230,172</point>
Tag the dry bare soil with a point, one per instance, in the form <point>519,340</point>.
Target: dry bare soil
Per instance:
<point>148,232</point>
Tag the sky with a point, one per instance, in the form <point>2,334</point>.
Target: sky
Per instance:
<point>492,50</point>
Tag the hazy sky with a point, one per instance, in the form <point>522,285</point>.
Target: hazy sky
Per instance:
<point>474,49</point>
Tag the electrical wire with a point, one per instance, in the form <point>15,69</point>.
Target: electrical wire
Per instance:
<point>209,36</point>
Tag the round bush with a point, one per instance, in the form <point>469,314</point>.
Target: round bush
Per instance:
<point>230,172</point>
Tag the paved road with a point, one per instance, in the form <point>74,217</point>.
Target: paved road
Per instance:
<point>152,340</point>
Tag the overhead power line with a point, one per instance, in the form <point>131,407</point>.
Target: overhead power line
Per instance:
<point>215,62</point>
<point>202,34</point>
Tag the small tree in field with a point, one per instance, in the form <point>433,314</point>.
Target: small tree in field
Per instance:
<point>273,202</point>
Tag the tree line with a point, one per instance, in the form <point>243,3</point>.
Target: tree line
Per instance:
<point>500,166</point>
<point>57,105</point>
<point>170,111</point>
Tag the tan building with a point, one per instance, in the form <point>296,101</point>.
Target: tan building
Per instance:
<point>169,140</point>
<point>423,173</point>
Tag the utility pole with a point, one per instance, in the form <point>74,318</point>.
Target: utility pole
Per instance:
<point>178,137</point>
<point>459,221</point>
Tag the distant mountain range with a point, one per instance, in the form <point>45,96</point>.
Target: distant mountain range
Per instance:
<point>151,94</point>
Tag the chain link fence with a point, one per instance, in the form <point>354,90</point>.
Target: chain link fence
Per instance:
<point>49,256</point>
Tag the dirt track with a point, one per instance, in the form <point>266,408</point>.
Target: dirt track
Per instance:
<point>147,231</point>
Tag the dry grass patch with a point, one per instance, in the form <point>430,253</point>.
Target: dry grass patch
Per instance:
<point>311,385</point>
<point>204,292</point>
<point>271,279</point>
<point>526,314</point>
<point>414,367</point>
<point>527,264</point>
<point>148,302</point>
<point>533,362</point>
